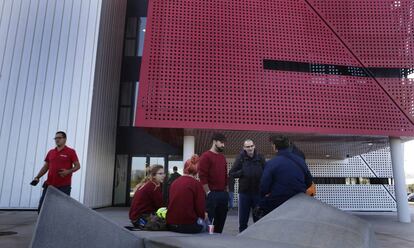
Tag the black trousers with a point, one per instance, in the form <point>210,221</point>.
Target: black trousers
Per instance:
<point>192,228</point>
<point>217,207</point>
<point>268,204</point>
<point>64,189</point>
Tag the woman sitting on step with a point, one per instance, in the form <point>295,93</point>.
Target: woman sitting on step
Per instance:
<point>186,208</point>
<point>148,199</point>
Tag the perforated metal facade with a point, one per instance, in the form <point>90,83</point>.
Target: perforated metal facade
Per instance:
<point>353,197</point>
<point>203,66</point>
<point>358,197</point>
<point>370,165</point>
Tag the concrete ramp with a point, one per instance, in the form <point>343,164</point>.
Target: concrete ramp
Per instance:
<point>64,222</point>
<point>305,221</point>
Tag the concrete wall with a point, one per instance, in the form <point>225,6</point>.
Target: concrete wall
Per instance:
<point>102,134</point>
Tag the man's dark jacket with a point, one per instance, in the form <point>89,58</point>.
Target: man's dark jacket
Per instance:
<point>285,175</point>
<point>249,171</point>
<point>172,177</point>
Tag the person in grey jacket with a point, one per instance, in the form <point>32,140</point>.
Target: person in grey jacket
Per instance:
<point>248,168</point>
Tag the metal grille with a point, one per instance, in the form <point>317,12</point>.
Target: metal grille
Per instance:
<point>357,197</point>
<point>380,38</point>
<point>203,66</point>
<point>363,197</point>
<point>379,161</point>
<point>230,162</point>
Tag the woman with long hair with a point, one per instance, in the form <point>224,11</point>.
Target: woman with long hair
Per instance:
<point>148,196</point>
<point>186,208</point>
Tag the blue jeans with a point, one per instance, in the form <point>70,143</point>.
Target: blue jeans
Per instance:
<point>217,207</point>
<point>247,202</point>
<point>64,189</point>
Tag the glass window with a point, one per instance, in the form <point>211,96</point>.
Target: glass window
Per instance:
<point>137,173</point>
<point>120,183</point>
<point>141,35</point>
<point>179,164</point>
<point>157,160</point>
<point>135,101</point>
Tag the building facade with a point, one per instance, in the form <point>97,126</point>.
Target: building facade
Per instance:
<point>141,82</point>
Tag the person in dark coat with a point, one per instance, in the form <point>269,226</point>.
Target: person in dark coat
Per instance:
<point>248,168</point>
<point>284,176</point>
<point>171,179</point>
<point>173,176</point>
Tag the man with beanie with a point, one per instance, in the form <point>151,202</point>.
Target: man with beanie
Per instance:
<point>212,171</point>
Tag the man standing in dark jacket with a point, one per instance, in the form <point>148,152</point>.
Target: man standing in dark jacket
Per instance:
<point>284,176</point>
<point>173,176</point>
<point>248,168</point>
<point>171,179</point>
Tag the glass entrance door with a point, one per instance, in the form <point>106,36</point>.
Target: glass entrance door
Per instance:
<point>138,166</point>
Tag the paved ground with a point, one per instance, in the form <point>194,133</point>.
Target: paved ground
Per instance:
<point>390,233</point>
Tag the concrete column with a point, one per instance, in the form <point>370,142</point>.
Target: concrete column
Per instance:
<point>397,156</point>
<point>189,147</point>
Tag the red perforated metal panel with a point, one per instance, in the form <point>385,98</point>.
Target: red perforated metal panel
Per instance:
<point>379,34</point>
<point>203,68</point>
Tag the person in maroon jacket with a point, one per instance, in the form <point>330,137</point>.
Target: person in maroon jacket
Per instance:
<point>212,170</point>
<point>186,208</point>
<point>148,196</point>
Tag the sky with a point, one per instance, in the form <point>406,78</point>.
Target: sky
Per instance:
<point>409,161</point>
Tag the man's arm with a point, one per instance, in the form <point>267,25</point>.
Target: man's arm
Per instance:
<point>203,166</point>
<point>236,170</point>
<point>266,181</point>
<point>206,188</point>
<point>75,167</point>
<point>308,177</point>
<point>42,171</point>
<point>64,172</point>
<point>262,160</point>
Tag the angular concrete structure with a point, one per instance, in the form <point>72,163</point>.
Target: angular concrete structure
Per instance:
<point>305,221</point>
<point>64,222</point>
<point>302,222</point>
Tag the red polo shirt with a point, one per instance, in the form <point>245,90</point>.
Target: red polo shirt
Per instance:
<point>212,170</point>
<point>58,160</point>
<point>187,201</point>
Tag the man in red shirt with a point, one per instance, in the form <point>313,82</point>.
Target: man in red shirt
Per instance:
<point>60,163</point>
<point>212,171</point>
